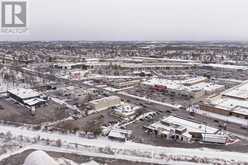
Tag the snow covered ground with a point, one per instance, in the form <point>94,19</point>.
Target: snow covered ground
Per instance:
<point>127,150</point>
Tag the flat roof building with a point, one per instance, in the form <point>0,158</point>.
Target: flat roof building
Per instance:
<point>23,94</point>
<point>27,97</point>
<point>105,103</point>
<point>232,102</point>
<point>192,87</point>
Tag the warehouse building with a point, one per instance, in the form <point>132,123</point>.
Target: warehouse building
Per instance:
<point>232,102</point>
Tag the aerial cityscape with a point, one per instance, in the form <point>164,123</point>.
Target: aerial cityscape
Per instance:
<point>123,101</point>
<point>145,102</point>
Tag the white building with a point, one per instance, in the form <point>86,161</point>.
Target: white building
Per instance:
<point>105,103</point>
<point>125,110</point>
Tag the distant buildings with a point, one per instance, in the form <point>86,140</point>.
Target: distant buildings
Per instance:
<point>68,66</point>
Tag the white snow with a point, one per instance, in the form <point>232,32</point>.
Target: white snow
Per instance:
<point>39,158</point>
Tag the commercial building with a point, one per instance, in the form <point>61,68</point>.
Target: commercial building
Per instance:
<point>190,88</point>
<point>105,103</point>
<point>172,127</point>
<point>232,102</point>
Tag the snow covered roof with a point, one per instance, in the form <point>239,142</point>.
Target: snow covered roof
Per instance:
<point>24,93</point>
<point>39,158</point>
<point>116,134</point>
<point>196,84</point>
<point>194,80</point>
<point>240,91</point>
<point>119,133</point>
<point>234,99</point>
<point>223,66</point>
<point>191,126</point>
<point>33,101</point>
<point>92,162</point>
<point>231,104</point>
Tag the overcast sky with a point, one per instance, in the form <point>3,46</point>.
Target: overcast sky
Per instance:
<point>136,20</point>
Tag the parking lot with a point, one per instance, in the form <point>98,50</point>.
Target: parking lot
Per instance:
<point>146,92</point>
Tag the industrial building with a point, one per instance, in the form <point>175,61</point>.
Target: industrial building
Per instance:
<point>27,97</point>
<point>190,88</point>
<point>105,103</point>
<point>232,102</point>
